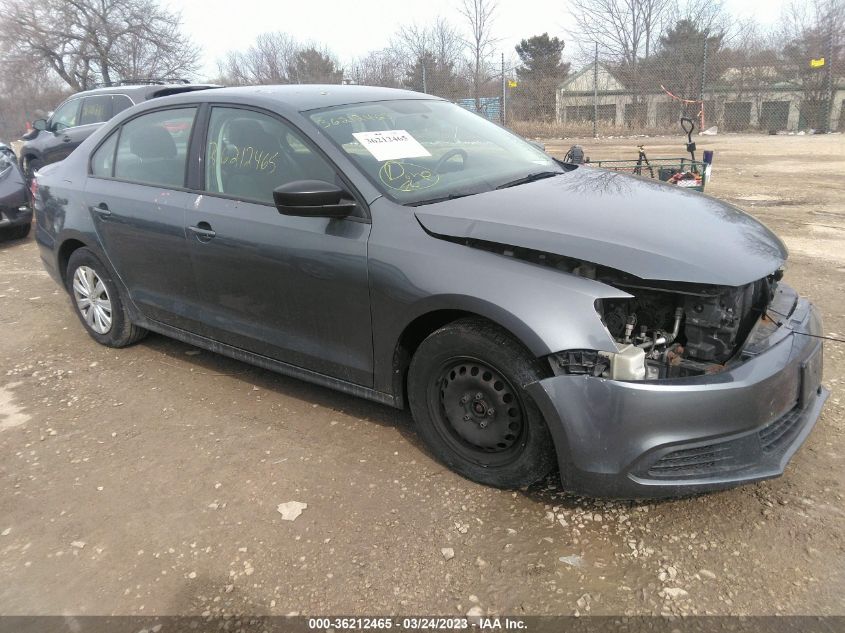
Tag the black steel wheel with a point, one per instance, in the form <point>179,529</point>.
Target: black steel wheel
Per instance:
<point>477,410</point>
<point>466,392</point>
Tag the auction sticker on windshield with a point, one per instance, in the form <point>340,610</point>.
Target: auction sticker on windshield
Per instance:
<point>390,144</point>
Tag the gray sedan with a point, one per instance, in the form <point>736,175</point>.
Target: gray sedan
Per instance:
<point>531,314</point>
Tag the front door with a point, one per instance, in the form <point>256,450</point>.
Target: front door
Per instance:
<point>134,197</point>
<point>291,288</point>
<point>59,137</point>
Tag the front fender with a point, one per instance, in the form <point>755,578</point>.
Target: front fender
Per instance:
<point>546,309</point>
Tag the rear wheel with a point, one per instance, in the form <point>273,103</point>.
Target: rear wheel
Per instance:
<point>98,302</point>
<point>466,389</point>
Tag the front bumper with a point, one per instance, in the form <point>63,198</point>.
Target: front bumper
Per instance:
<point>664,438</point>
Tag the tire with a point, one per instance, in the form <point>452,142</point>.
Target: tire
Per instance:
<point>466,390</point>
<point>106,320</point>
<point>16,232</point>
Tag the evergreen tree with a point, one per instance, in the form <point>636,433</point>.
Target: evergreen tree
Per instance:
<point>311,66</point>
<point>541,71</point>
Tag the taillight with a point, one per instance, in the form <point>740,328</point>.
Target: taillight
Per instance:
<point>33,187</point>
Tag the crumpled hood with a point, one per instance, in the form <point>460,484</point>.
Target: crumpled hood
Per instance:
<point>642,227</point>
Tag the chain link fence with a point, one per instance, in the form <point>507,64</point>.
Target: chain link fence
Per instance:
<point>740,88</point>
<point>734,90</point>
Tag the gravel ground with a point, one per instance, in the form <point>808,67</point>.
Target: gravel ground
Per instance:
<point>149,480</point>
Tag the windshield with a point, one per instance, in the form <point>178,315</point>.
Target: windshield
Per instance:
<point>418,151</point>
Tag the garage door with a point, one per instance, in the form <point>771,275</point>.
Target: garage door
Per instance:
<point>774,115</point>
<point>737,116</point>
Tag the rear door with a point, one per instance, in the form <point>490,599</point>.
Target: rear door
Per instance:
<point>290,288</point>
<point>137,197</point>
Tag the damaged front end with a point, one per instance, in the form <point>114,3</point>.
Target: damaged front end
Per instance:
<point>707,373</point>
<point>669,330</point>
<point>664,329</point>
<point>709,387</point>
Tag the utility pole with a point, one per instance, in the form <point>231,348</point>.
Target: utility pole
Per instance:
<point>425,87</point>
<point>703,79</point>
<point>504,90</point>
<point>829,61</point>
<point>596,92</point>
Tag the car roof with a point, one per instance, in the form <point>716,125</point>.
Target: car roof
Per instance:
<point>304,97</point>
<point>142,92</point>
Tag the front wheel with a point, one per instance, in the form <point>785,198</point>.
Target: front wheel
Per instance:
<point>17,232</point>
<point>466,389</point>
<point>98,303</point>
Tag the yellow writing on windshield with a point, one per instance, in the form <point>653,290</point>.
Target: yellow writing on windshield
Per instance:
<point>404,176</point>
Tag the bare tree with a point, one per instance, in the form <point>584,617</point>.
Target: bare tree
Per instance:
<point>749,61</point>
<point>267,61</point>
<point>429,57</point>
<point>479,16</point>
<point>277,58</point>
<point>377,68</point>
<point>708,16</point>
<point>439,38</point>
<point>97,40</point>
<point>626,32</point>
<point>812,30</point>
<point>27,92</point>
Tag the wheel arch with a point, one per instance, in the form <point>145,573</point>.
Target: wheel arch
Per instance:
<point>435,317</point>
<point>65,250</point>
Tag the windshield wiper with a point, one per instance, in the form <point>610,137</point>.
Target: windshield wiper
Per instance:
<point>529,178</point>
<point>451,196</point>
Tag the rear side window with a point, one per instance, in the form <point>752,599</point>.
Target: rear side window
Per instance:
<point>102,162</point>
<point>95,110</point>
<point>153,148</point>
<point>120,103</point>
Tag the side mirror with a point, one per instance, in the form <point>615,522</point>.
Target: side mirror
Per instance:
<point>313,198</point>
<point>39,124</point>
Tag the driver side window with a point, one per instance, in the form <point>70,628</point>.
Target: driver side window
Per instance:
<point>66,115</point>
<point>248,154</point>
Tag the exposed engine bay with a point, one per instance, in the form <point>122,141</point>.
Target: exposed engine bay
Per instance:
<point>681,331</point>
<point>667,330</point>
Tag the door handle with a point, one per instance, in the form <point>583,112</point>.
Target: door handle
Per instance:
<point>202,231</point>
<point>66,139</point>
<point>102,209</point>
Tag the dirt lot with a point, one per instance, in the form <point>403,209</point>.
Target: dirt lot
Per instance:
<point>147,480</point>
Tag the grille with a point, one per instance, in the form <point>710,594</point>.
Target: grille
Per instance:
<point>699,461</point>
<point>729,455</point>
<point>780,433</point>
